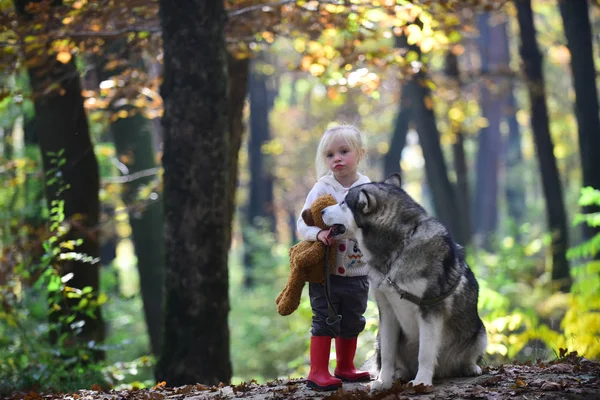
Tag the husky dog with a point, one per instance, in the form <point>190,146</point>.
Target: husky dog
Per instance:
<point>425,292</point>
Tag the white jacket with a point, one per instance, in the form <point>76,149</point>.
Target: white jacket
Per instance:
<point>349,260</point>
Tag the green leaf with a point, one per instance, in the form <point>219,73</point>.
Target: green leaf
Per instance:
<point>54,283</point>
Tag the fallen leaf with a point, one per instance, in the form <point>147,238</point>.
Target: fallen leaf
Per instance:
<point>95,387</point>
<point>160,385</point>
<point>492,381</point>
<point>519,383</point>
<point>477,390</point>
<point>420,388</point>
<point>561,368</point>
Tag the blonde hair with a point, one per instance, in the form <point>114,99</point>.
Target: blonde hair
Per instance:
<point>351,135</point>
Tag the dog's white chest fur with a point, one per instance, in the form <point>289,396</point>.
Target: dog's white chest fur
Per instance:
<point>406,312</point>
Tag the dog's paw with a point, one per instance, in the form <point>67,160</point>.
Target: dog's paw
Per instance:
<point>473,370</point>
<point>417,382</point>
<point>379,385</point>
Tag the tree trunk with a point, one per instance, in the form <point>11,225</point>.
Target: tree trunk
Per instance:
<point>260,203</point>
<point>133,139</point>
<point>444,197</point>
<point>493,50</point>
<point>196,172</point>
<point>460,157</point>
<point>238,89</point>
<point>579,40</point>
<point>391,160</point>
<point>513,159</point>
<point>62,126</point>
<point>555,209</point>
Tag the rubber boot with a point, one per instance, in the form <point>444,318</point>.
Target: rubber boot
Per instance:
<point>319,377</point>
<point>345,349</point>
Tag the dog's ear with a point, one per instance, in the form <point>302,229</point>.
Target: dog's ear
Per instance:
<point>308,218</point>
<point>394,179</point>
<point>366,202</point>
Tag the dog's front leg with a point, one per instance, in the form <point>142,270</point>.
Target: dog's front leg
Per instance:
<point>430,334</point>
<point>389,329</point>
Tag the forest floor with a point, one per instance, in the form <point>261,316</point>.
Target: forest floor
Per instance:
<point>571,377</point>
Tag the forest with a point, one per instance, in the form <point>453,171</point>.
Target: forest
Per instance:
<point>155,156</point>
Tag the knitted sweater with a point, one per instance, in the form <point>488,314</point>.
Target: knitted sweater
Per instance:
<point>349,259</point>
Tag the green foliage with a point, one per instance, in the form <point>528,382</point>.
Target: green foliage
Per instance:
<point>525,319</point>
<point>34,295</point>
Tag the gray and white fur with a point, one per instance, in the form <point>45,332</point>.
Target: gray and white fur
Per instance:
<point>409,251</point>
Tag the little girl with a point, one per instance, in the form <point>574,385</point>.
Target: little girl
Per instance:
<point>339,154</point>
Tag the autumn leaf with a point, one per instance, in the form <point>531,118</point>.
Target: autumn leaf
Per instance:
<point>519,383</point>
<point>64,57</point>
<point>160,385</point>
<point>421,388</point>
<point>96,387</point>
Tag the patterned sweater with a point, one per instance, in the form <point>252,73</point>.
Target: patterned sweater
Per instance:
<point>349,259</point>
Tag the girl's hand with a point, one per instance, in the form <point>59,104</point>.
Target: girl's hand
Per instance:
<point>324,236</point>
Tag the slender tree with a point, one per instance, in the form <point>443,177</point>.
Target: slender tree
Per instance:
<point>555,209</point>
<point>238,70</point>
<point>133,139</point>
<point>196,172</point>
<point>491,99</point>
<point>442,190</point>
<point>460,156</point>
<point>576,21</point>
<point>391,160</point>
<point>62,128</point>
<point>418,108</point>
<point>260,203</point>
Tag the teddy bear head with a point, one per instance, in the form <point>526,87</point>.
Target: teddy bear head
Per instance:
<point>312,216</point>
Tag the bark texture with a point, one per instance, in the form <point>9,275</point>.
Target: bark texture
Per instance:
<point>196,172</point>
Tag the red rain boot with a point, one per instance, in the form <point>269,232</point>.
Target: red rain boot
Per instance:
<point>345,349</point>
<point>319,377</point>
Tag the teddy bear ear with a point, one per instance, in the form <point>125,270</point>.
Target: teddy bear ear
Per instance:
<point>307,217</point>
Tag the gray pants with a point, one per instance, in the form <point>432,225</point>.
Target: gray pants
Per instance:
<point>349,299</point>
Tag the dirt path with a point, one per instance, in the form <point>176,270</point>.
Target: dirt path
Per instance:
<point>570,378</point>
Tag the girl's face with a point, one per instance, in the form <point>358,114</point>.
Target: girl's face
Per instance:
<point>342,159</point>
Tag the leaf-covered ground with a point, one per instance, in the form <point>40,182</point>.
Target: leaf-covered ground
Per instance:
<point>569,378</point>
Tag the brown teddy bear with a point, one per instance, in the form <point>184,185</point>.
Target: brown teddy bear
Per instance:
<point>307,259</point>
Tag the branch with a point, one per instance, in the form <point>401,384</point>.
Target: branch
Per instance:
<point>132,177</point>
<point>244,10</point>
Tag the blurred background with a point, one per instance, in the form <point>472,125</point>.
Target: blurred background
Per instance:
<point>488,108</point>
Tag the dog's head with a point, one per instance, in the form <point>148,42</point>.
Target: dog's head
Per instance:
<point>368,204</point>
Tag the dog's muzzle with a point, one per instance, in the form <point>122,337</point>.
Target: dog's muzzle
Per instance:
<point>337,230</point>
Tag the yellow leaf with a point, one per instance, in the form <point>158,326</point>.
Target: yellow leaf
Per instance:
<point>102,298</point>
<point>64,57</point>
<point>427,44</point>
